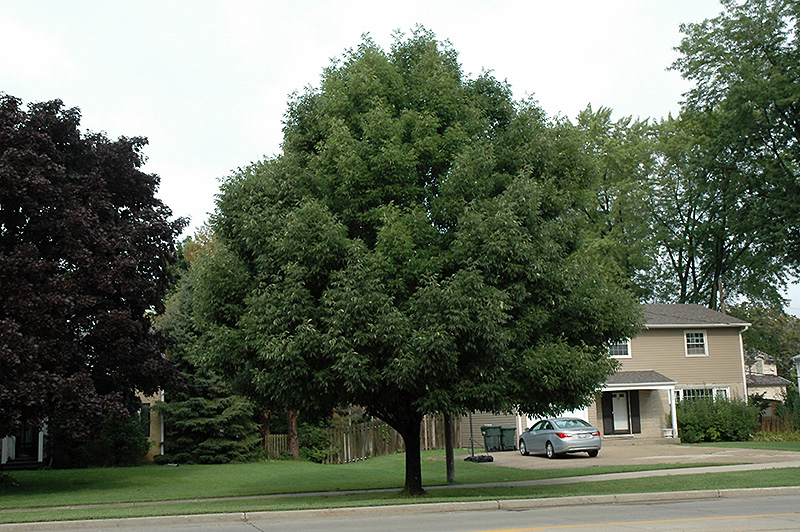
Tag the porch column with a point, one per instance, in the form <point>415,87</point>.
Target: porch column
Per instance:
<point>673,411</point>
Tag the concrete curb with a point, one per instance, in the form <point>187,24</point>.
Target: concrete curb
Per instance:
<point>421,508</point>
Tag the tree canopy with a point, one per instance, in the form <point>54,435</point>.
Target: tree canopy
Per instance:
<point>742,119</point>
<point>699,208</point>
<point>84,255</point>
<point>420,246</point>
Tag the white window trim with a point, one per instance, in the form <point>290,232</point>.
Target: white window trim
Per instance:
<point>626,342</point>
<point>716,392</point>
<point>686,343</point>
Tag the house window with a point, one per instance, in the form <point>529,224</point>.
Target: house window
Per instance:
<point>696,344</point>
<point>144,417</point>
<point>620,349</point>
<point>697,393</point>
<point>715,394</point>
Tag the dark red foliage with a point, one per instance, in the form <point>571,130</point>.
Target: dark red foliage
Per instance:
<point>84,254</point>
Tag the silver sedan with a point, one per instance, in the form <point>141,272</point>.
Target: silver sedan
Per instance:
<point>555,436</point>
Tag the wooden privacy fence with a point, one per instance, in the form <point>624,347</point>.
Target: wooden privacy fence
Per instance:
<point>775,424</point>
<point>373,438</point>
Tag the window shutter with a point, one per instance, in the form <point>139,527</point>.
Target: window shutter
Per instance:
<point>608,417</point>
<point>636,420</point>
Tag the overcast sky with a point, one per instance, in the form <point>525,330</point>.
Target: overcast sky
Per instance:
<point>207,81</point>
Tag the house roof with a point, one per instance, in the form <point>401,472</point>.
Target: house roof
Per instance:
<point>750,356</point>
<point>638,378</point>
<point>766,380</point>
<point>687,315</point>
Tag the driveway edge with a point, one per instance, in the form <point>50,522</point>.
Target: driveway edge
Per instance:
<point>420,508</point>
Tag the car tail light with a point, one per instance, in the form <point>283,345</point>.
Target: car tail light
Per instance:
<point>596,433</point>
<point>563,435</point>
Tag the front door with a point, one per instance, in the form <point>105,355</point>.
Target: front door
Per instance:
<point>619,405</point>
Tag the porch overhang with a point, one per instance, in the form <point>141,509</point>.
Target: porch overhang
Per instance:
<point>638,380</point>
<point>645,380</point>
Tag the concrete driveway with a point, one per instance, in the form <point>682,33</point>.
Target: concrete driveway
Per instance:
<point>625,453</point>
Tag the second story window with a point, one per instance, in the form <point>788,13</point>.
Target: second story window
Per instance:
<point>696,344</point>
<point>620,349</point>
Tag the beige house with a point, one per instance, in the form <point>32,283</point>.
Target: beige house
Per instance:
<point>684,351</point>
<point>153,421</point>
<point>762,376</point>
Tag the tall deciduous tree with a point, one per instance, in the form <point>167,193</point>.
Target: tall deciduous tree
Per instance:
<point>621,156</point>
<point>84,253</point>
<point>741,155</point>
<point>716,238</point>
<point>420,246</point>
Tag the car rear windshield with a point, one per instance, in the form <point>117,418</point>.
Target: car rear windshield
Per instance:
<point>571,423</point>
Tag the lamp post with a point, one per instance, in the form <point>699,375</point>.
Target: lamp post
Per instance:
<point>796,360</point>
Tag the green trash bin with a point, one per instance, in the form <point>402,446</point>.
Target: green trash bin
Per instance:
<point>491,438</point>
<point>508,438</point>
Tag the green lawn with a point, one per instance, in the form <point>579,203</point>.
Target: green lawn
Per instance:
<point>771,445</point>
<point>155,489</point>
<point>158,483</point>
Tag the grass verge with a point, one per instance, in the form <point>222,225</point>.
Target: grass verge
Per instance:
<point>69,487</point>
<point>770,478</point>
<point>160,490</point>
<point>763,445</point>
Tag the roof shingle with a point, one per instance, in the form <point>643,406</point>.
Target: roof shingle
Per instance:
<point>687,314</point>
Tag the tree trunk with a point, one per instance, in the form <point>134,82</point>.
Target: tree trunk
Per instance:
<point>448,448</point>
<point>265,431</point>
<point>410,431</point>
<point>294,443</point>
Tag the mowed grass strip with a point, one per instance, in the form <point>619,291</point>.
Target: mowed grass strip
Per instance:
<point>762,445</point>
<point>162,483</point>
<point>750,479</point>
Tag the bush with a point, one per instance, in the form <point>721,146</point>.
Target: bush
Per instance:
<point>315,442</point>
<point>116,442</point>
<point>787,435</point>
<point>789,410</point>
<point>706,420</point>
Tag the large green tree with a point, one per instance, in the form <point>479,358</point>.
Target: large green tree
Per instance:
<point>715,238</point>
<point>420,246</point>
<point>739,162</point>
<point>85,248</point>
<point>621,156</point>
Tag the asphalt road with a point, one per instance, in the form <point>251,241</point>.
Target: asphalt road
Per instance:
<point>771,513</point>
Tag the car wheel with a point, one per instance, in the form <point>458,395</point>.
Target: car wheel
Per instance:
<point>592,454</point>
<point>522,449</point>
<point>549,451</point>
